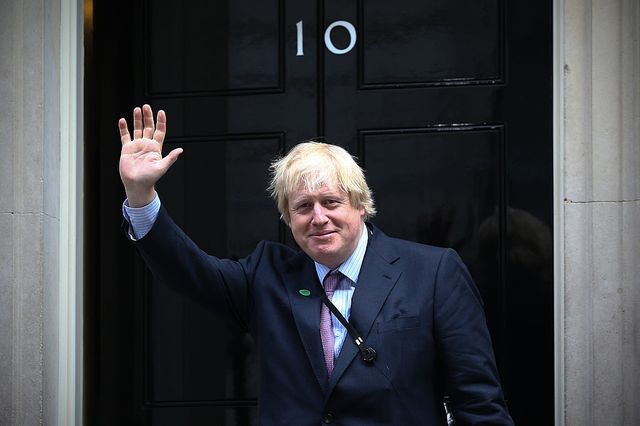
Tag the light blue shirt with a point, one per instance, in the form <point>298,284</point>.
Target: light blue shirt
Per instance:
<point>343,294</point>
<point>142,219</point>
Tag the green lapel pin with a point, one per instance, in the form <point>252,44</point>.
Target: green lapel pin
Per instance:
<point>304,292</point>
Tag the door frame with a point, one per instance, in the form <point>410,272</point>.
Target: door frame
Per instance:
<point>70,291</point>
<point>75,16</point>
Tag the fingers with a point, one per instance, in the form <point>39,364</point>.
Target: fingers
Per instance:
<point>161,127</point>
<point>124,131</point>
<point>143,125</point>
<point>147,117</point>
<point>137,123</point>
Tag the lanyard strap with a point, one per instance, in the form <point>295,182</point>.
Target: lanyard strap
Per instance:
<point>367,352</point>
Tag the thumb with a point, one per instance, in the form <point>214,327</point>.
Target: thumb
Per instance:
<point>170,158</point>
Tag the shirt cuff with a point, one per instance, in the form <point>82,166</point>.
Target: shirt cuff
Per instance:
<point>141,219</point>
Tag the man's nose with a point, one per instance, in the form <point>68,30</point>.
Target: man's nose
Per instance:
<point>319,216</point>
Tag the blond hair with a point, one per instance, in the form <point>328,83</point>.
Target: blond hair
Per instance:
<point>316,164</point>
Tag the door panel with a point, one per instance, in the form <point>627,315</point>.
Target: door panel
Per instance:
<point>205,48</point>
<point>232,195</point>
<point>408,43</point>
<point>447,105</point>
<point>189,363</point>
<point>441,172</point>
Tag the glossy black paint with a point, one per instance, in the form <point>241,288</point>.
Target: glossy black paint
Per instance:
<point>447,104</point>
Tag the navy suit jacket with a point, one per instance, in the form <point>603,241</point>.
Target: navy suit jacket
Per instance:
<point>415,304</point>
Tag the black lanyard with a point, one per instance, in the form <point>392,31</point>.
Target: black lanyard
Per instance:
<point>367,352</point>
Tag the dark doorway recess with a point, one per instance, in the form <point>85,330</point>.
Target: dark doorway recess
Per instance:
<point>448,106</point>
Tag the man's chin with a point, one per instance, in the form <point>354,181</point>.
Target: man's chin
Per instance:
<point>325,256</point>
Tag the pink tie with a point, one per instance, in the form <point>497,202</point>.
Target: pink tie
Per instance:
<point>331,282</point>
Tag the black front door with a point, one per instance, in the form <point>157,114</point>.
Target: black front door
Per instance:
<point>447,105</point>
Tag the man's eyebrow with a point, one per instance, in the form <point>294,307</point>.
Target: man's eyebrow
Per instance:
<point>336,195</point>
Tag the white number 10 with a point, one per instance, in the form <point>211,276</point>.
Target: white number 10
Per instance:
<point>327,38</point>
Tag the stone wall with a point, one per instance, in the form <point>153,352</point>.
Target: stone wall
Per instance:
<point>600,210</point>
<point>29,218</point>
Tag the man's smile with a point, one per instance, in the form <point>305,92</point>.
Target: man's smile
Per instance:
<point>322,233</point>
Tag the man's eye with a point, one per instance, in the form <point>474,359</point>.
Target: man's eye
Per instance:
<point>302,207</point>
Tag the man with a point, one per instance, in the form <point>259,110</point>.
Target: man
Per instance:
<point>414,304</point>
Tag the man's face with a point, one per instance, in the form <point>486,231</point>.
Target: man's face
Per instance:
<point>325,224</point>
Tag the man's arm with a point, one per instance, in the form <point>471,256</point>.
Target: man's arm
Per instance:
<point>222,285</point>
<point>170,255</point>
<point>470,374</point>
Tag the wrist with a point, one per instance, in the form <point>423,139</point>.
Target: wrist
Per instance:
<point>141,197</point>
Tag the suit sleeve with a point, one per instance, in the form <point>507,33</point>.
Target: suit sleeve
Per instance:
<point>221,284</point>
<point>470,375</point>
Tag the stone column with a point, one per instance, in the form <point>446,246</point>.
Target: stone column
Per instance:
<point>598,234</point>
<point>29,211</point>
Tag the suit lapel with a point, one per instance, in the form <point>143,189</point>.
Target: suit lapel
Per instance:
<point>378,276</point>
<point>301,275</point>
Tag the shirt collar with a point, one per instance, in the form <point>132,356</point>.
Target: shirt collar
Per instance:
<point>351,267</point>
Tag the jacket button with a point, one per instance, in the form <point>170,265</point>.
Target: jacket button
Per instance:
<point>327,418</point>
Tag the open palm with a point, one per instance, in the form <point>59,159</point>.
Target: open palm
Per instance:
<point>141,161</point>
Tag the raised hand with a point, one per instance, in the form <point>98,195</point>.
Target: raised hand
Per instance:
<point>141,162</point>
